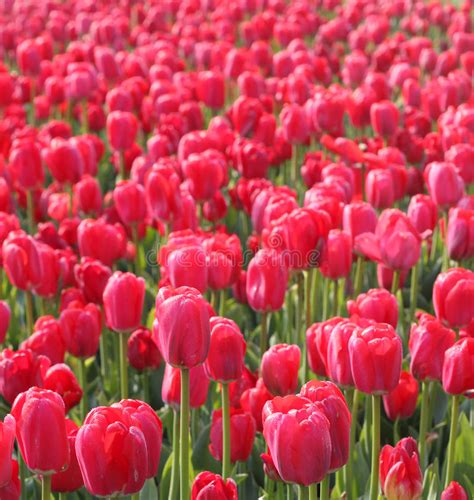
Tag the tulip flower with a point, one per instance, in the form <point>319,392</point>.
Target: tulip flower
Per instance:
<point>253,399</point>
<point>64,161</point>
<point>377,304</point>
<point>12,489</point>
<point>422,212</point>
<point>279,369</point>
<point>211,89</point>
<point>454,491</point>
<point>400,473</point>
<point>209,486</point>
<point>61,379</point>
<point>401,402</point>
<point>4,319</point>
<point>129,200</point>
<point>445,186</point>
<point>7,439</point>
<point>384,118</point>
<point>460,235</point>
<point>142,352</point>
<point>337,255</point>
<point>92,277</point>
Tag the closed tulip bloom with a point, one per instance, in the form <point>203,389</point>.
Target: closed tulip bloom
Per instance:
<point>224,259</point>
<point>101,241</point>
<point>377,304</point>
<point>143,353</point>
<point>210,486</point>
<point>379,188</point>
<point>453,297</point>
<point>20,370</point>
<point>337,255</point>
<point>384,118</point>
<point>401,402</point>
<point>64,161</point>
<point>267,279</point>
<point>4,319</point>
<point>70,479</point>
<point>242,435</point>
<point>458,368</point>
<point>225,360</point>
<point>338,359</point>
<point>444,184</point>
<point>81,328</point>
<point>422,212</point>
<point>187,266</point>
<point>462,156</point>
<point>21,260</point>
<point>87,195</point>
<point>279,369</point>
<point>210,89</point>
<point>183,332</point>
<point>7,439</point>
<point>129,200</point>
<point>198,386</point>
<point>454,491</point>
<point>123,301</point>
<point>92,277</point>
<point>204,173</point>
<point>112,452</point>
<point>358,218</point>
<point>400,474</point>
<point>253,400</point>
<point>162,192</point>
<point>41,430</point>
<point>460,236</point>
<point>122,128</point>
<point>376,359</point>
<point>12,489</point>
<point>292,436</point>
<point>25,165</point>
<point>61,379</point>
<point>50,271</point>
<point>295,123</point>
<point>428,342</point>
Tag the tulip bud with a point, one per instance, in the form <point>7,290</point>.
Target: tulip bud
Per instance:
<point>337,255</point>
<point>198,386</point>
<point>295,124</point>
<point>460,237</point>
<point>377,304</point>
<point>458,368</point>
<point>129,199</point>
<point>242,435</point>
<point>12,489</point>
<point>376,359</point>
<point>279,369</point>
<point>253,400</point>
<point>61,379</point>
<point>225,360</point>
<point>379,188</point>
<point>209,486</point>
<point>210,89</point>
<point>184,344</point>
<point>64,161</point>
<point>123,301</point>
<point>384,118</point>
<point>7,439</point>
<point>92,277</point>
<point>444,184</point>
<point>359,218</point>
<point>25,165</point>
<point>41,430</point>
<point>454,491</point>
<point>87,195</point>
<point>143,353</point>
<point>422,212</point>
<point>401,402</point>
<point>122,128</point>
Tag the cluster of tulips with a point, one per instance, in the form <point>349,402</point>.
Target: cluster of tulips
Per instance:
<point>236,249</point>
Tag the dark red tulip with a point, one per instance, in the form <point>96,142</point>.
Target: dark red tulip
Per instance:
<point>237,388</point>
<point>458,367</point>
<point>41,430</point>
<point>12,489</point>
<point>401,402</point>
<point>377,304</point>
<point>198,386</point>
<point>225,360</point>
<point>279,369</point>
<point>209,486</point>
<point>460,236</point>
<point>184,343</point>
<point>453,297</point>
<point>376,358</point>
<point>205,174</point>
<point>454,491</point>
<point>61,379</point>
<point>81,329</point>
<point>123,301</point>
<point>242,435</point>
<point>143,353</point>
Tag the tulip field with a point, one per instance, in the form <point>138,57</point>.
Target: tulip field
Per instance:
<point>237,249</point>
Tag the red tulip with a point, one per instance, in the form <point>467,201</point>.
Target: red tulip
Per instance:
<point>20,370</point>
<point>454,491</point>
<point>458,367</point>
<point>237,388</point>
<point>209,486</point>
<point>253,400</point>
<point>4,319</point>
<point>279,369</point>
<point>291,436</point>
<point>143,353</point>
<point>295,124</point>
<point>61,379</point>
<point>205,174</point>
<point>377,304</point>
<point>162,192</point>
<point>122,128</point>
<point>423,213</point>
<point>183,343</point>
<point>453,297</point>
<point>379,188</point>
<point>224,259</point>
<point>210,89</point>
<point>267,278</point>
<point>92,277</point>
<point>41,430</point>
<point>129,199</point>
<point>64,161</point>
<point>7,439</point>
<point>384,118</point>
<point>25,165</point>
<point>400,473</point>
<point>70,479</point>
<point>50,271</point>
<point>462,156</point>
<point>401,402</point>
<point>12,489</point>
<point>123,301</point>
<point>444,184</point>
<point>242,435</point>
<point>198,386</point>
<point>81,329</point>
<point>376,359</point>
<point>428,342</point>
<point>225,360</point>
<point>337,255</point>
<point>460,236</point>
<point>359,218</point>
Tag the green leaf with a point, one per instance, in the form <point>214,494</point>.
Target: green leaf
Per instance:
<point>464,453</point>
<point>149,490</point>
<point>165,480</point>
<point>201,457</point>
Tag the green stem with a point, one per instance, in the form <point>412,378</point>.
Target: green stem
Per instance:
<point>136,242</point>
<point>71,200</point>
<point>358,276</point>
<point>263,332</point>
<point>22,467</point>
<point>302,492</point>
<point>325,299</point>
<point>85,117</point>
<point>453,430</point>
<point>184,435</point>
<point>146,386</point>
<point>174,484</point>
<point>123,365</point>
<point>136,496</point>
<point>29,312</point>
<point>62,496</point>
<point>395,282</point>
<point>222,302</point>
<point>294,165</point>
<point>335,298</point>
<point>313,491</point>
<point>341,285</point>
<point>374,477</point>
<point>434,243</point>
<point>314,294</point>
<point>445,264</point>
<point>83,384</point>
<point>396,430</point>
<point>279,490</point>
<point>352,441</point>
<point>46,488</point>
<point>324,493</point>
<point>103,357</point>
<point>30,212</point>
<point>226,444</point>
<point>122,169</point>
<point>424,421</point>
<point>414,291</point>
